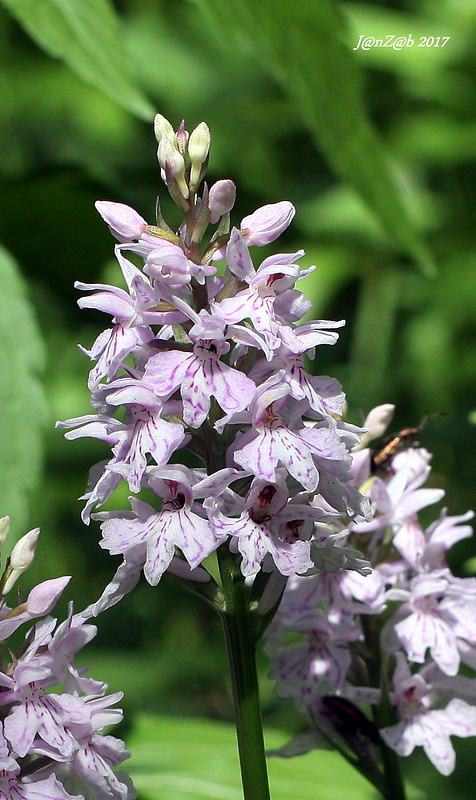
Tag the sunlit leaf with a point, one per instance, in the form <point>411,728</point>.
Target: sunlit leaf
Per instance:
<point>21,397</point>
<point>196,759</point>
<point>86,35</point>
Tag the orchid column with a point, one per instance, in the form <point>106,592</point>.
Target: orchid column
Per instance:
<point>206,352</point>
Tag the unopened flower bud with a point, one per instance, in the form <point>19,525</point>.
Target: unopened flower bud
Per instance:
<point>24,551</point>
<point>43,597</point>
<point>4,529</point>
<point>377,421</point>
<point>173,165</point>
<point>162,127</point>
<point>198,149</point>
<point>21,558</point>
<point>221,199</point>
<point>267,223</point>
<point>181,137</point>
<point>124,223</point>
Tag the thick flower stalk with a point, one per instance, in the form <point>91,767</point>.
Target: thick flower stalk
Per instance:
<point>378,657</point>
<point>51,743</point>
<point>205,351</point>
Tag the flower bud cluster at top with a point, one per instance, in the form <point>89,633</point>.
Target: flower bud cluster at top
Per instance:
<point>393,641</point>
<point>51,742</point>
<point>207,352</point>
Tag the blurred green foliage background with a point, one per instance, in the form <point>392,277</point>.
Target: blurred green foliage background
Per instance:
<point>375,148</point>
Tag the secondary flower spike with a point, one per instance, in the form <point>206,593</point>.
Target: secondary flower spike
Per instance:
<point>422,617</point>
<point>51,742</point>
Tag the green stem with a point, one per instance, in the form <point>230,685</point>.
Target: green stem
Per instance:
<point>241,654</point>
<point>394,786</point>
<point>391,762</point>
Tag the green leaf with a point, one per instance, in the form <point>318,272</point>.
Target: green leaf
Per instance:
<point>86,35</point>
<point>196,759</point>
<point>306,46</point>
<point>22,401</point>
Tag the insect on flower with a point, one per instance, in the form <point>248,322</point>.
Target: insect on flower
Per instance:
<point>395,443</point>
